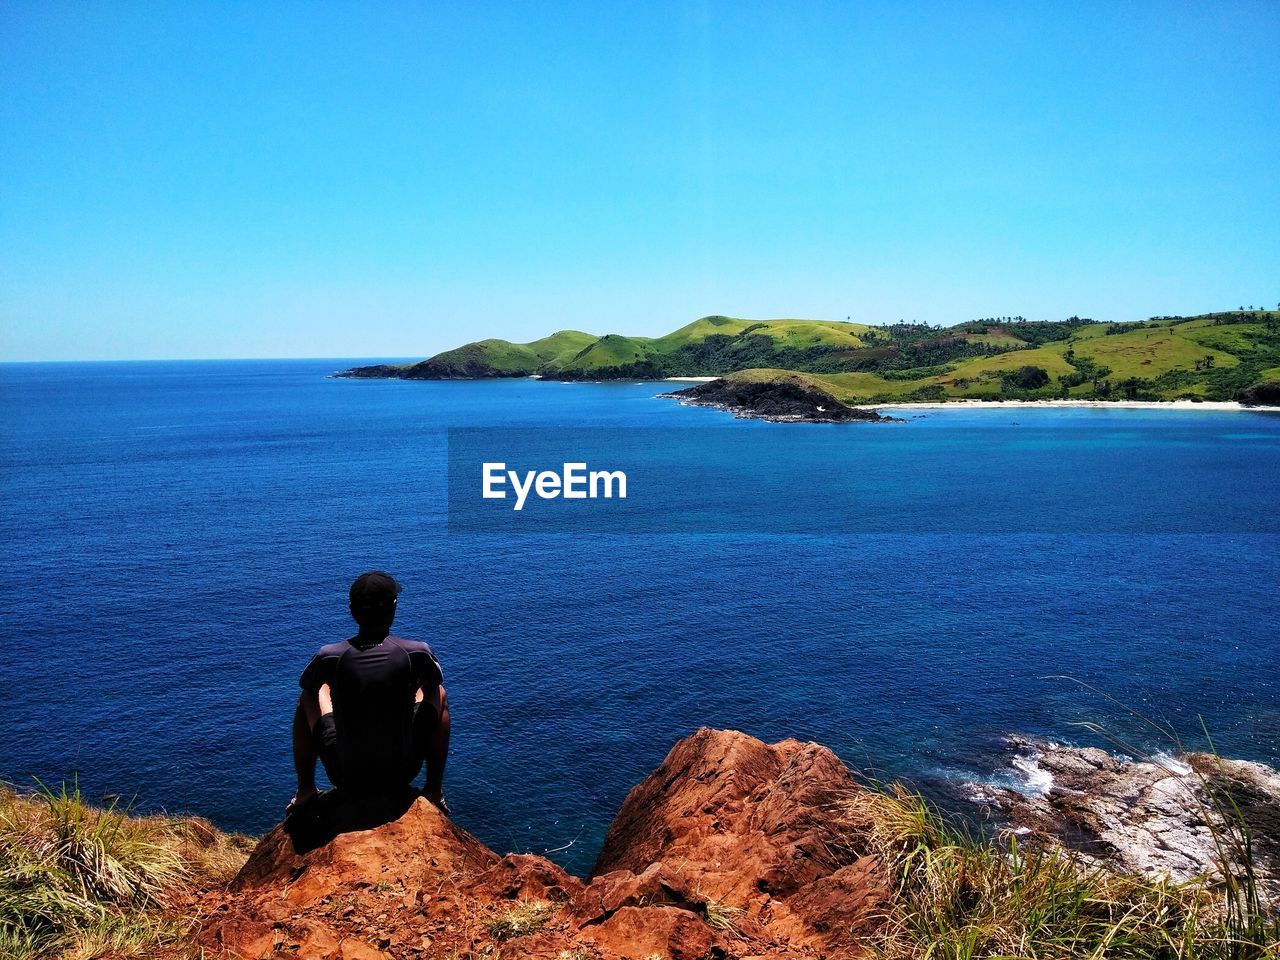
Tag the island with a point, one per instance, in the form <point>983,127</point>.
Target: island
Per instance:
<point>827,369</point>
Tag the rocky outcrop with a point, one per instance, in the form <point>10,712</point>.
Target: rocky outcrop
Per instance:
<point>434,369</point>
<point>1263,394</point>
<point>731,848</point>
<point>1152,817</point>
<point>781,400</point>
<point>375,371</point>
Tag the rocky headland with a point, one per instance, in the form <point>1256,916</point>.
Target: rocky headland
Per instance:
<point>780,400</point>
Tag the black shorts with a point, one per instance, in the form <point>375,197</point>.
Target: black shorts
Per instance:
<point>325,736</point>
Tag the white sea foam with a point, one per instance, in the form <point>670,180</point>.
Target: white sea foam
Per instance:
<point>1023,775</point>
<point>1033,779</point>
<point>1171,763</point>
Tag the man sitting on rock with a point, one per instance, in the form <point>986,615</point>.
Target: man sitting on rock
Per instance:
<point>373,708</point>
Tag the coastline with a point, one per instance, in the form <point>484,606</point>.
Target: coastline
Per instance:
<point>1218,406</point>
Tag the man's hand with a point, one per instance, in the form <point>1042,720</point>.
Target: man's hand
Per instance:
<point>301,797</point>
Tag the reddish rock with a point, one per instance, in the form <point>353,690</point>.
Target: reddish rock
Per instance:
<point>520,876</point>
<point>749,818</point>
<point>731,848</point>
<point>653,932</point>
<point>841,909</point>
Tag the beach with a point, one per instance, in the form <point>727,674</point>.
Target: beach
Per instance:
<point>1219,406</point>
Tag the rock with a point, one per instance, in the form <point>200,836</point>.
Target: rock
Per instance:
<point>352,949</point>
<point>463,365</point>
<point>1263,394</point>
<point>376,371</point>
<point>1145,817</point>
<point>657,931</point>
<point>751,816</point>
<point>731,848</point>
<point>364,852</point>
<point>787,398</point>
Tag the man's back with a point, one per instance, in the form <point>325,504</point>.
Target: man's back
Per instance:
<point>373,690</point>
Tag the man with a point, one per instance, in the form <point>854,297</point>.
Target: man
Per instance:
<point>373,708</point>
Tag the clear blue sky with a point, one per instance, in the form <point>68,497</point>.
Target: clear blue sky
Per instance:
<point>280,179</point>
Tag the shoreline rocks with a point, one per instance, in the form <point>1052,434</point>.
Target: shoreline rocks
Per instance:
<point>1164,816</point>
<point>783,400</point>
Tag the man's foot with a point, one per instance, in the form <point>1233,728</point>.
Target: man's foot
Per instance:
<point>437,798</point>
<point>303,795</point>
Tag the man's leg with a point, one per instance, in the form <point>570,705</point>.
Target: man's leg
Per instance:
<point>306,750</point>
<point>431,721</point>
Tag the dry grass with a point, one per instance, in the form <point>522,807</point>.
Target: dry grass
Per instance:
<point>959,898</point>
<point>520,919</point>
<point>82,882</point>
<point>720,916</point>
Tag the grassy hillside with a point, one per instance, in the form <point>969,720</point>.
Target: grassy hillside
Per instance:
<point>1211,357</point>
<point>707,347</point>
<point>501,358</point>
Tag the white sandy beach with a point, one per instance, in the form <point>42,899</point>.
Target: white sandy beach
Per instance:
<point>691,379</point>
<point>1214,405</point>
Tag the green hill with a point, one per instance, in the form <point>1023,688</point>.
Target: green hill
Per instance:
<point>501,358</point>
<point>1211,357</point>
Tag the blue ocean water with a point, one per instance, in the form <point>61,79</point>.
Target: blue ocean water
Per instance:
<point>179,538</point>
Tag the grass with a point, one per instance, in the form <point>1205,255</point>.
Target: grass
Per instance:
<point>614,350</point>
<point>720,916</point>
<point>786,333</point>
<point>520,919</point>
<point>1147,353</point>
<point>961,898</point>
<point>517,358</point>
<point>82,882</point>
<point>989,368</point>
<point>610,351</point>
<point>958,898</point>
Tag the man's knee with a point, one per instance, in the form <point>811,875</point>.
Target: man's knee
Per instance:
<point>434,702</point>
<point>312,705</point>
<point>430,714</point>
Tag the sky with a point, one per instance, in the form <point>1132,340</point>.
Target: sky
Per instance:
<point>282,179</point>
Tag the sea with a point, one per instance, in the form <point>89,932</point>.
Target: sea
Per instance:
<point>178,539</point>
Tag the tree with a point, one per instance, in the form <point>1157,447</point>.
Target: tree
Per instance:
<point>1028,377</point>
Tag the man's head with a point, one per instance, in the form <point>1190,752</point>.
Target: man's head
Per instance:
<point>373,600</point>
